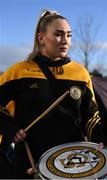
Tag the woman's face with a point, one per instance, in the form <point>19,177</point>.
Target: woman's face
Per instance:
<point>56,41</point>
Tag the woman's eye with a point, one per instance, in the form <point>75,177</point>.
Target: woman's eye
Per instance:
<point>61,34</point>
<point>58,34</point>
<point>69,35</point>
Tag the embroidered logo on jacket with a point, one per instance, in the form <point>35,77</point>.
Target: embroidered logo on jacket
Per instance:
<point>75,92</point>
<point>34,85</point>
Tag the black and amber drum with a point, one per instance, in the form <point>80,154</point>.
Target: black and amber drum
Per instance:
<point>80,160</point>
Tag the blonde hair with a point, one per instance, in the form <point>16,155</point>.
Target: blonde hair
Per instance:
<point>46,17</point>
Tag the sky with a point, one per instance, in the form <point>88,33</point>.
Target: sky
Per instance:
<point>18,20</point>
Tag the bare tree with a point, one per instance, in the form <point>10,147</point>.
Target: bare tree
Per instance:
<point>84,45</point>
<point>101,64</point>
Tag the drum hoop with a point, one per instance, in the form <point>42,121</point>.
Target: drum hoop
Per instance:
<point>64,146</point>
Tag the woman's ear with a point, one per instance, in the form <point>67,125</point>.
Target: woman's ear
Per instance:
<point>40,37</point>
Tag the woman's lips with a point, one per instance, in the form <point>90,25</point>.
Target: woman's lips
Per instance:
<point>63,49</point>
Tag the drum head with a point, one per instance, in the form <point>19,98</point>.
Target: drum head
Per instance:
<point>80,160</point>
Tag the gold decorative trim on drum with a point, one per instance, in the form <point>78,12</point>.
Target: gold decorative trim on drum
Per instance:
<point>80,160</point>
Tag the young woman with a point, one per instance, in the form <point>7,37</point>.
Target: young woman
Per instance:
<point>27,91</point>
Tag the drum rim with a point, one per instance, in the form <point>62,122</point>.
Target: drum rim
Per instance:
<point>64,145</point>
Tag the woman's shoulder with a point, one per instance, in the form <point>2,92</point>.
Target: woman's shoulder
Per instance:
<point>79,66</point>
<point>17,65</point>
<point>19,70</point>
<point>11,72</point>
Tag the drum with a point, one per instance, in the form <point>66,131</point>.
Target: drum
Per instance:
<point>79,160</point>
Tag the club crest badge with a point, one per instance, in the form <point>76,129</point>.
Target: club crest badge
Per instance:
<point>75,92</point>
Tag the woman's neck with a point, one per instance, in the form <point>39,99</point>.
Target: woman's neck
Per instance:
<point>53,58</point>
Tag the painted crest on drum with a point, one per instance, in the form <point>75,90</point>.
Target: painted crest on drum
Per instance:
<point>75,92</point>
<point>78,161</point>
<point>75,162</point>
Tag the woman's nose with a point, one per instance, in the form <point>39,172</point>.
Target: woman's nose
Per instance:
<point>64,40</point>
